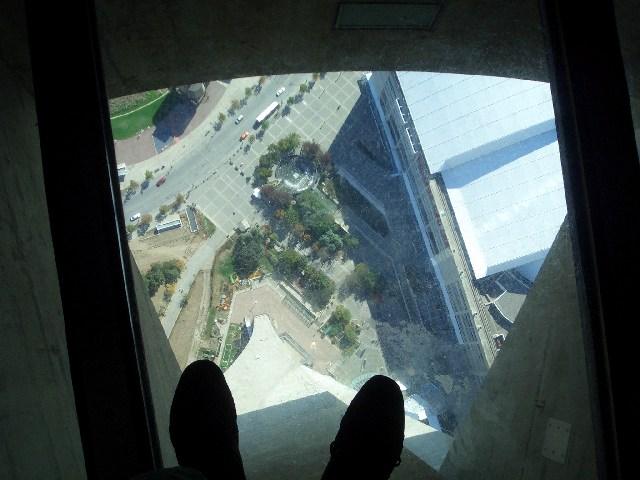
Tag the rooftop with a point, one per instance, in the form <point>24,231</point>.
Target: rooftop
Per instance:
<point>278,397</point>
<point>494,142</point>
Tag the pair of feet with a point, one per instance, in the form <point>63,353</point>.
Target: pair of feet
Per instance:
<point>204,430</point>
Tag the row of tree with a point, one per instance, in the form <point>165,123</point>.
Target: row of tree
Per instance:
<point>275,152</point>
<point>296,268</point>
<point>310,221</point>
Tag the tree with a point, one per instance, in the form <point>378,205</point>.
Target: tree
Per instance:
<point>298,231</point>
<point>169,291</point>
<point>131,228</point>
<point>319,287</point>
<point>262,175</point>
<point>252,138</point>
<point>292,216</point>
<point>146,219</point>
<point>164,209</point>
<point>133,186</point>
<point>148,175</point>
<point>319,224</point>
<point>304,88</point>
<point>324,162</point>
<point>350,241</point>
<point>247,252</point>
<point>362,281</point>
<point>163,273</point>
<point>315,76</point>
<point>221,117</point>
<point>290,263</point>
<point>262,79</point>
<point>235,105</point>
<point>264,125</point>
<point>275,196</point>
<point>179,201</point>
<point>288,144</point>
<point>171,272</point>
<point>269,159</point>
<point>291,101</point>
<point>311,150</point>
<point>340,317</point>
<point>349,336</point>
<point>153,279</point>
<point>331,241</point>
<point>248,92</point>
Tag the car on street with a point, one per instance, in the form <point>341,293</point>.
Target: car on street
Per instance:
<point>239,119</point>
<point>160,181</point>
<point>280,91</point>
<point>134,217</point>
<point>244,135</point>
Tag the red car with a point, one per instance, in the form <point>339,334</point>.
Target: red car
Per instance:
<point>160,181</point>
<point>244,135</point>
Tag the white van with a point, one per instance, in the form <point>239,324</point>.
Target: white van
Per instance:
<point>239,119</point>
<point>134,217</point>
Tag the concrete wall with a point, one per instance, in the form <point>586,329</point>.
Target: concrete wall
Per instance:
<point>39,436</point>
<point>149,44</point>
<point>539,374</point>
<point>162,366</point>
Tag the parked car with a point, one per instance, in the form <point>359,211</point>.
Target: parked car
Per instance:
<point>134,217</point>
<point>244,135</point>
<point>239,119</point>
<point>280,91</point>
<point>160,181</point>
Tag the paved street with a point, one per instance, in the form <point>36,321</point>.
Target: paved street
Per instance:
<point>200,165</point>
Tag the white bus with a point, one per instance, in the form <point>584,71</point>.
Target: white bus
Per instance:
<point>266,113</point>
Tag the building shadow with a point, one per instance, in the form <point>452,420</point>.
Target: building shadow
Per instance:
<point>172,118</point>
<point>291,440</point>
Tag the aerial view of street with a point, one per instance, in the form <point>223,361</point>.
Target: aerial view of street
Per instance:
<point>242,198</point>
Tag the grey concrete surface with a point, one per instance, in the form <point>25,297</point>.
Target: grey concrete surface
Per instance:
<point>39,433</point>
<point>539,374</point>
<point>162,365</point>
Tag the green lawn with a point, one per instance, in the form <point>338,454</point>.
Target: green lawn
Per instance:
<point>130,124</point>
<point>226,268</point>
<point>123,105</point>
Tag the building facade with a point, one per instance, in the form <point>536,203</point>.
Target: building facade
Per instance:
<point>462,306</point>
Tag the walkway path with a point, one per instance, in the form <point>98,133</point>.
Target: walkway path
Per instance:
<point>203,313</point>
<point>200,260</point>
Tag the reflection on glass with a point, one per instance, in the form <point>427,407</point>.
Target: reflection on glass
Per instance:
<point>308,231</point>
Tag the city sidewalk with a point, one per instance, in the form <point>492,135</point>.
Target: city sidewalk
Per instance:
<point>172,155</point>
<point>202,259</point>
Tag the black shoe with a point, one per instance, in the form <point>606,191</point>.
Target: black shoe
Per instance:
<point>369,441</point>
<point>203,424</point>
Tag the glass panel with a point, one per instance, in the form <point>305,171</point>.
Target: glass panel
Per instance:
<point>323,228</point>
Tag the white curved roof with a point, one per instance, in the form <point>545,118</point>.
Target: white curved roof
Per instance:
<point>494,141</point>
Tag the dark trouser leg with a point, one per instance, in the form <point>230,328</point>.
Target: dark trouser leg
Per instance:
<point>369,441</point>
<point>203,423</point>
